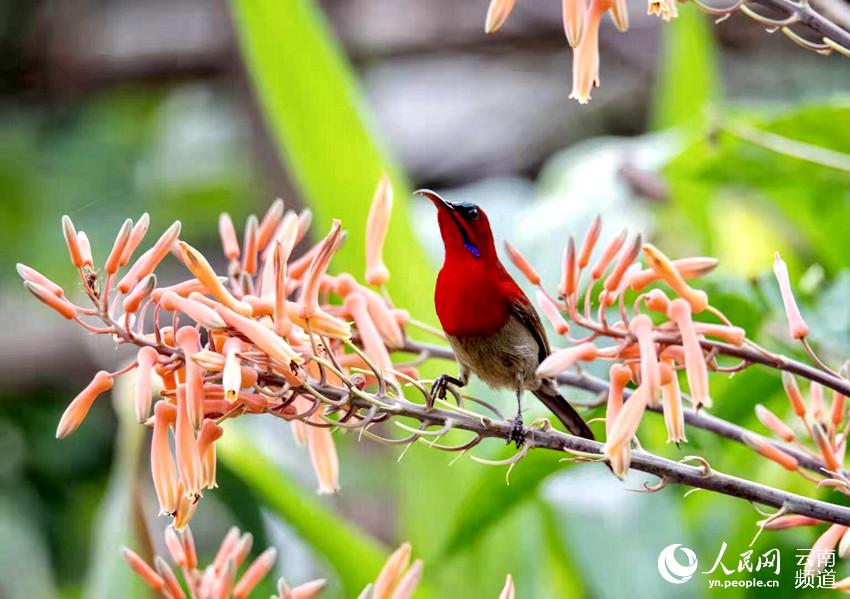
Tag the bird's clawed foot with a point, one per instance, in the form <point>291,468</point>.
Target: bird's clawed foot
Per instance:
<point>517,432</point>
<point>440,387</point>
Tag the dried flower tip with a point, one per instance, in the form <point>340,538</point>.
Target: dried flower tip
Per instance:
<point>572,12</point>
<point>667,272</point>
<point>620,15</point>
<point>825,543</point>
<point>255,573</point>
<point>72,241</point>
<point>665,9</point>
<point>789,521</point>
<point>508,591</point>
<point>522,264</point>
<point>376,231</point>
<point>268,226</point>
<point>697,373</point>
<point>133,301</point>
<point>65,308</point>
<point>797,328</point>
<point>249,253</point>
<point>138,233</point>
<point>770,451</point>
<point>77,410</point>
<point>774,424</point>
<point>793,393</point>
<point>497,13</point>
<point>309,301</point>
<point>552,313</point>
<point>142,568</point>
<point>323,456</point>
<point>85,249</point>
<point>608,255</point>
<point>202,270</point>
<point>562,359</point>
<point>391,573</point>
<point>113,262</point>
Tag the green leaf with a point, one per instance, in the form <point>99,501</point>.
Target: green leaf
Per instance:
<point>688,79</point>
<point>493,498</point>
<point>356,557</point>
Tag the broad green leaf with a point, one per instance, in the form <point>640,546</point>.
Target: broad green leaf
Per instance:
<point>356,557</point>
<point>688,79</point>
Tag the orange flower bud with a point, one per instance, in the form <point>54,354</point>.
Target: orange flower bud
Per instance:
<point>249,243</point>
<point>231,378</point>
<point>268,226</point>
<point>774,424</point>
<point>569,280</point>
<point>227,232</point>
<point>323,455</point>
<point>671,401</point>
<point>85,248</point>
<point>255,573</point>
<point>657,301</point>
<point>189,549</point>
<point>837,409</point>
<point>793,393</point>
<point>392,572</point>
<point>200,313</point>
<point>770,451</point>
<point>522,264</point>
<point>65,308</point>
<point>277,349</point>
<point>497,13</point>
<point>732,335</point>
<point>688,268</point>
<point>666,271</point>
<point>209,434</point>
<point>626,260</point>
<point>830,460</point>
<point>789,521</point>
<point>613,246</point>
<point>33,276</point>
<point>146,359</point>
<point>562,359</point>
<point>186,448</point>
<point>175,547</point>
<point>373,344</point>
<point>650,375</point>
<point>172,586</point>
<point>623,430</point>
<point>308,590</point>
<point>133,300</point>
<point>148,262</point>
<point>77,410</point>
<point>376,231</point>
<point>825,543</point>
<point>138,233</point>
<point>189,341</point>
<point>309,300</point>
<point>618,377</point>
<point>408,583</point>
<point>113,262</point>
<point>202,270</point>
<point>72,241</point>
<point>816,399</point>
<point>141,568</point>
<point>590,239</point>
<point>552,313</point>
<point>226,548</point>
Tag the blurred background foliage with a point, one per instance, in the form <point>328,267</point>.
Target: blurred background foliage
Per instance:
<point>113,108</point>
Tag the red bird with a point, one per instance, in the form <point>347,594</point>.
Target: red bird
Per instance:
<point>491,325</point>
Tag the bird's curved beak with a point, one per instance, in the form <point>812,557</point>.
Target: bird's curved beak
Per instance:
<point>435,198</point>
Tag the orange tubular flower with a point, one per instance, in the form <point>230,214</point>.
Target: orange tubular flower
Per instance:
<point>731,335</point>
<point>189,340</point>
<point>680,312</point>
<point>770,451</point>
<point>227,232</point>
<point>150,259</point>
<point>77,410</point>
<point>209,434</point>
<point>590,239</point>
<point>552,313</point>
<point>620,15</point>
<point>794,395</point>
<point>392,572</point>
<point>825,543</point>
<point>657,301</point>
<point>198,265</point>
<point>282,324</point>
<point>113,262</point>
<point>308,303</point>
<point>33,276</point>
<point>497,13</point>
<point>376,231</point>
<point>569,280</point>
<point>255,573</point>
<point>586,54</point>
<point>146,359</point>
<point>650,375</point>
<point>143,289</point>
<point>323,455</point>
<point>380,313</point>
<point>816,399</point>
<point>774,424</point>
<point>373,345</point>
<point>200,313</point>
<point>72,241</point>
<point>268,226</point>
<point>249,254</point>
<point>626,260</point>
<point>277,349</point>
<point>837,416</point>
<point>666,271</point>
<point>186,449</point>
<point>65,308</point>
<point>573,17</point>
<point>618,377</point>
<point>172,586</point>
<point>562,359</point>
<point>175,547</point>
<point>231,377</point>
<point>608,255</point>
<point>163,470</point>
<point>789,521</point>
<point>825,447</point>
<point>138,233</point>
<point>671,400</point>
<point>522,264</point>
<point>623,430</point>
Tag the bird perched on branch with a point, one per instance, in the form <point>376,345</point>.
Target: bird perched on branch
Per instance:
<point>491,325</point>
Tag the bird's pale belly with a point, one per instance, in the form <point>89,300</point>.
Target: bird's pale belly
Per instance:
<point>501,360</point>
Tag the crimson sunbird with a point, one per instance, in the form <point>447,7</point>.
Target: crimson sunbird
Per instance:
<point>491,325</point>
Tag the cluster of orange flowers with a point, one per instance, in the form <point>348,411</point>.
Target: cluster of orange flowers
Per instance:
<point>581,26</point>
<point>233,345</point>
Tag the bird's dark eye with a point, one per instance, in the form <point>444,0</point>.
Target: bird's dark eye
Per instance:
<point>473,213</point>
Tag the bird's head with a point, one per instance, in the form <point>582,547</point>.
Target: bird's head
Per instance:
<point>463,226</point>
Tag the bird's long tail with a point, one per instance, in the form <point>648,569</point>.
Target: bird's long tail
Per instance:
<point>560,407</point>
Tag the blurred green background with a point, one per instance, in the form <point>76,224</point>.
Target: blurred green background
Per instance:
<point>185,109</point>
